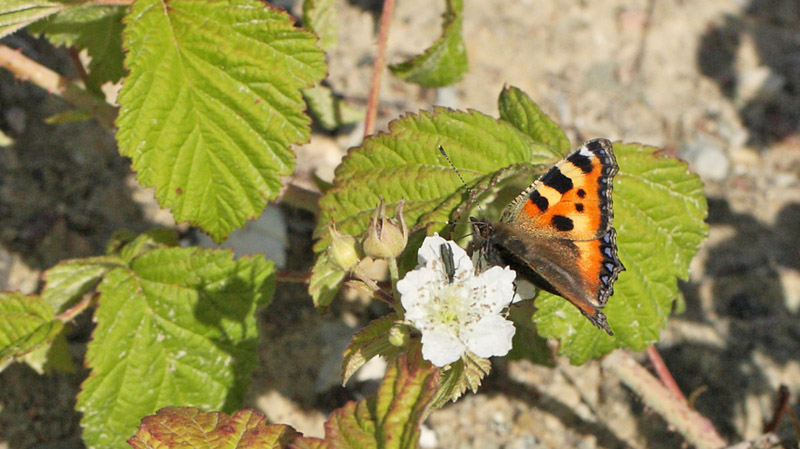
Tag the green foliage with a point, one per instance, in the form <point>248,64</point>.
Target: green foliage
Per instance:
<point>174,326</point>
<point>96,28</point>
<point>26,324</point>
<point>320,16</point>
<point>518,109</point>
<point>388,420</point>
<point>330,111</point>
<point>369,342</point>
<point>212,103</point>
<point>656,191</point>
<point>17,14</point>
<point>465,374</point>
<point>444,62</point>
<point>174,427</point>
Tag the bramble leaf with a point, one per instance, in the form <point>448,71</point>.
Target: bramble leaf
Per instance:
<point>367,343</point>
<point>17,14</point>
<point>96,28</point>
<point>26,324</point>
<point>320,16</point>
<point>68,281</point>
<point>391,419</point>
<point>324,282</point>
<point>659,212</point>
<point>330,111</point>
<point>517,108</point>
<point>174,326</point>
<point>212,103</point>
<point>405,163</point>
<point>444,62</point>
<point>465,374</point>
<point>176,427</point>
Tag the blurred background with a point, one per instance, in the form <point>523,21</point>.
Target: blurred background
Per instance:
<point>716,83</point>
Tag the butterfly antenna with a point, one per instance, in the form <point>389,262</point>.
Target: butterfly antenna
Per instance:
<point>472,193</point>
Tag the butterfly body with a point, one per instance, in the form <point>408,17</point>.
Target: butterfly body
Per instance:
<point>558,232</point>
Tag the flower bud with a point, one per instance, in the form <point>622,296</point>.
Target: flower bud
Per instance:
<point>386,237</point>
<point>343,251</point>
<point>398,335</point>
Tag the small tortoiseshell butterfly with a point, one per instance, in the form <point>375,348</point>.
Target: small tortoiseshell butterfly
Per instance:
<point>557,233</point>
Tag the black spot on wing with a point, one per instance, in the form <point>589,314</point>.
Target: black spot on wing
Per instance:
<point>584,163</point>
<point>581,193</point>
<point>562,223</point>
<point>555,179</point>
<point>540,201</point>
<point>579,207</point>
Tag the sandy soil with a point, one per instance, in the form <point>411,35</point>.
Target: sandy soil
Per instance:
<point>715,82</point>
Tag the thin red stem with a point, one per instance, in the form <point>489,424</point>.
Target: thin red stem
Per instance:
<point>377,68</point>
<point>663,373</point>
<point>781,407</point>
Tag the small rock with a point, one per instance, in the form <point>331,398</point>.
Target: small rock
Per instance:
<point>427,437</point>
<point>707,159</point>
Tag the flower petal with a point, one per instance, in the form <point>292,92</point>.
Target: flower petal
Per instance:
<point>441,347</point>
<point>491,336</point>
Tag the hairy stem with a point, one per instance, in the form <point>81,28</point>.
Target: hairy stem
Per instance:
<point>27,69</point>
<point>697,430</point>
<point>377,68</point>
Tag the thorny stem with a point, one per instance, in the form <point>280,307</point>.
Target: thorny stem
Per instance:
<point>697,429</point>
<point>663,373</point>
<point>27,69</point>
<point>377,68</point>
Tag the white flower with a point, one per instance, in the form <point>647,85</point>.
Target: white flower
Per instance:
<point>461,315</point>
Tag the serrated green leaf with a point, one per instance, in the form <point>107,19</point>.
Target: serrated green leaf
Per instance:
<point>68,281</point>
<point>465,374</point>
<point>444,62</point>
<point>50,357</point>
<point>527,343</point>
<point>324,283</point>
<point>659,212</point>
<point>330,111</point>
<point>177,326</point>
<point>405,164</point>
<point>320,16</point>
<point>391,419</point>
<point>517,108</point>
<point>181,427</point>
<point>17,14</point>
<point>212,104</point>
<point>95,28</point>
<point>371,341</point>
<point>26,323</point>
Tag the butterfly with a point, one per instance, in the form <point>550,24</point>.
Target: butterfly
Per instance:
<point>558,232</point>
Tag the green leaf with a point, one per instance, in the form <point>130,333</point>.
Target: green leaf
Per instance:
<point>465,374</point>
<point>320,16</point>
<point>69,116</point>
<point>406,164</point>
<point>324,283</point>
<point>527,343</point>
<point>659,212</point>
<point>182,427</point>
<point>330,111</point>
<point>177,326</point>
<point>392,418</point>
<point>369,342</point>
<point>96,28</point>
<point>17,14</point>
<point>26,324</point>
<point>67,282</point>
<point>444,62</point>
<point>212,103</point>
<point>517,108</point>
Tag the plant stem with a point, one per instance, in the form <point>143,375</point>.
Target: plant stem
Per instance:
<point>27,69</point>
<point>377,68</point>
<point>663,373</point>
<point>297,196</point>
<point>697,430</point>
<point>296,277</point>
